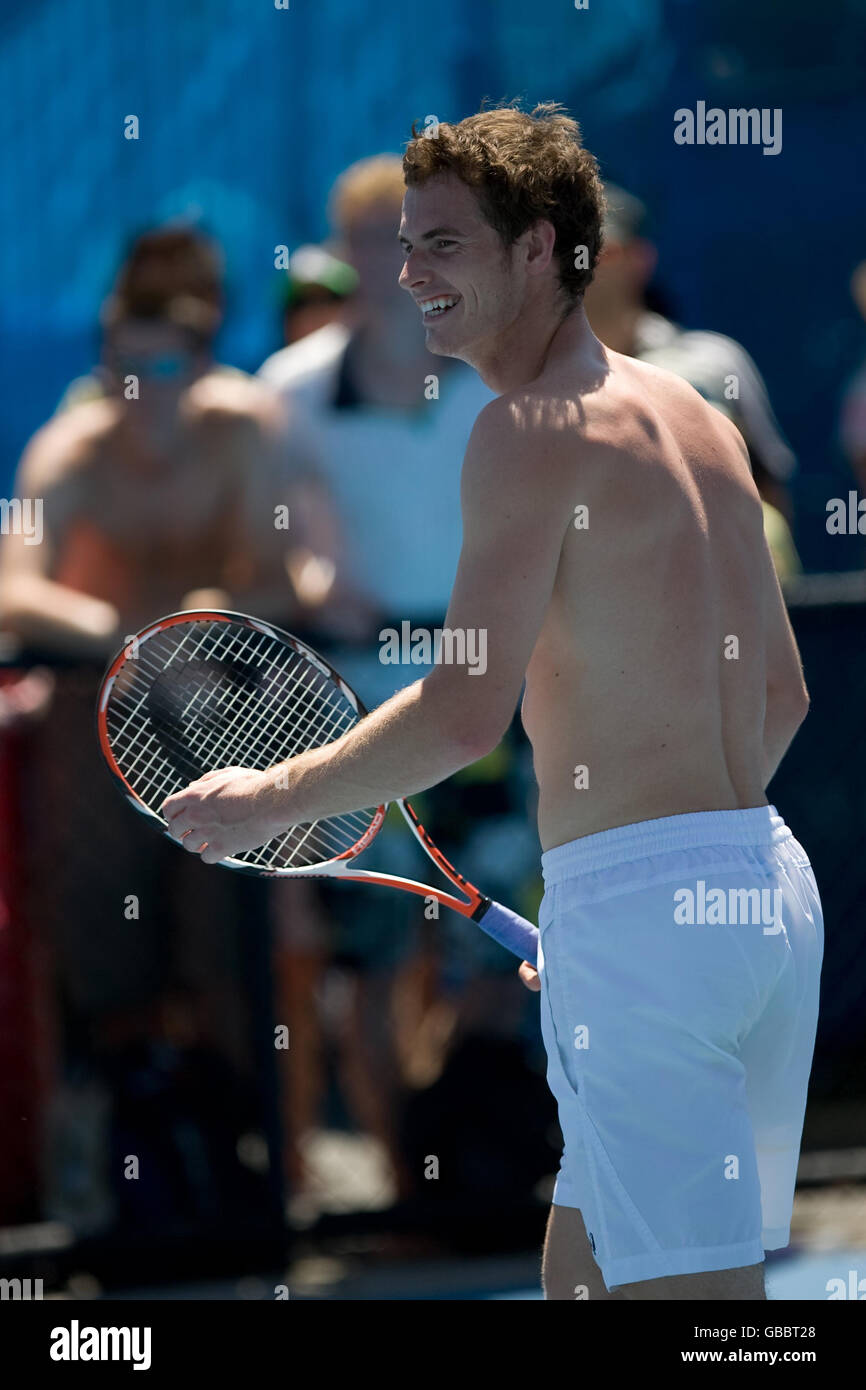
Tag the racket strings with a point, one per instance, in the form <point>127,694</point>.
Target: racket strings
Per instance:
<point>209,694</point>
<point>319,839</point>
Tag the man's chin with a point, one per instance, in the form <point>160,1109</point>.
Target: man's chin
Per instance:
<point>441,343</point>
<point>447,350</point>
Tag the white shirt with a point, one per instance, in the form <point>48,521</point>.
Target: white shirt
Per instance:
<point>394,473</point>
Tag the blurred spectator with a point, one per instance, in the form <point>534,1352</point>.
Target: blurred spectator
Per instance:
<point>172,265</point>
<point>717,366</point>
<point>161,483</point>
<point>391,422</point>
<point>391,439</point>
<point>318,287</point>
<point>852,424</point>
<point>160,486</point>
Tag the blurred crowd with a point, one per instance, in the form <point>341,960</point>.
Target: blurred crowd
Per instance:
<point>163,474</point>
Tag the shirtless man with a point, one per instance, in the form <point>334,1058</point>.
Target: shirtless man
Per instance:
<point>160,484</point>
<point>162,491</point>
<point>613,550</point>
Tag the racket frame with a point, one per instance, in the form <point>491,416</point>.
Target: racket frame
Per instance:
<point>338,867</point>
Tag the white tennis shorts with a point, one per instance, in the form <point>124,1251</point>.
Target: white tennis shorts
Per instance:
<point>679,962</point>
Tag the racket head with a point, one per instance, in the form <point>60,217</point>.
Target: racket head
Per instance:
<point>201,690</point>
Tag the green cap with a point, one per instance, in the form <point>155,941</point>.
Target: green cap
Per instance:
<point>313,265</point>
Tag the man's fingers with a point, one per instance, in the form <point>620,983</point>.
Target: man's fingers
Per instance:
<point>529,976</point>
<point>190,837</point>
<point>180,812</point>
<point>181,801</point>
<point>178,827</point>
<point>195,841</point>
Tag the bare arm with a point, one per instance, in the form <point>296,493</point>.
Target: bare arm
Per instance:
<point>787,697</point>
<point>33,605</point>
<point>512,535</point>
<point>514,519</point>
<point>786,700</point>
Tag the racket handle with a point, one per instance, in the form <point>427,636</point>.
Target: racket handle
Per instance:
<point>511,931</point>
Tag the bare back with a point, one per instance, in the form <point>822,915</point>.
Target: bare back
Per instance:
<point>645,693</point>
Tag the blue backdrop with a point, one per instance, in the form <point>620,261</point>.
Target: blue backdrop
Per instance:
<point>247,113</point>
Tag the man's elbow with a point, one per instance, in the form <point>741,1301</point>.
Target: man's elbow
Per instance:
<point>476,724</point>
<point>476,734</point>
<point>473,712</point>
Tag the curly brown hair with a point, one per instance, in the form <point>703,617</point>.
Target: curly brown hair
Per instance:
<point>523,166</point>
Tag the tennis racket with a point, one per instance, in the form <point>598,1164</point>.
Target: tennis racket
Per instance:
<point>199,691</point>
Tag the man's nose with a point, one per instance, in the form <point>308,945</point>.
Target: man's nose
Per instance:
<point>413,274</point>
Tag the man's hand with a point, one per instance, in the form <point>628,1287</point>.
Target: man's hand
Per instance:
<point>529,976</point>
<point>225,812</point>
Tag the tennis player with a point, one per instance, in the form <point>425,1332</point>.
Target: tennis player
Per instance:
<point>614,555</point>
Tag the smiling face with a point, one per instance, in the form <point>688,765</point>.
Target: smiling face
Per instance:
<point>468,286</point>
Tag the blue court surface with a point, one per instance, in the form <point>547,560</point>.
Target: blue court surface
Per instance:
<point>804,1275</point>
<point>801,1275</point>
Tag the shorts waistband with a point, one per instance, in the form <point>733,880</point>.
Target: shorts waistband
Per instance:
<point>756,825</point>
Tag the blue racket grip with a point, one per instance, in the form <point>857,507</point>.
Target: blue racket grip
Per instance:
<point>511,931</point>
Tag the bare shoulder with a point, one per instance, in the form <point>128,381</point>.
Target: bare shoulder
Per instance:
<point>682,406</point>
<point>660,380</point>
<point>68,444</point>
<point>520,464</point>
<point>228,397</point>
<point>523,425</point>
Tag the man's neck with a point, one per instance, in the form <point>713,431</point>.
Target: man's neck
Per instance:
<point>521,352</point>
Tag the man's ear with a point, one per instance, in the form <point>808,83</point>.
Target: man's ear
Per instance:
<point>540,241</point>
